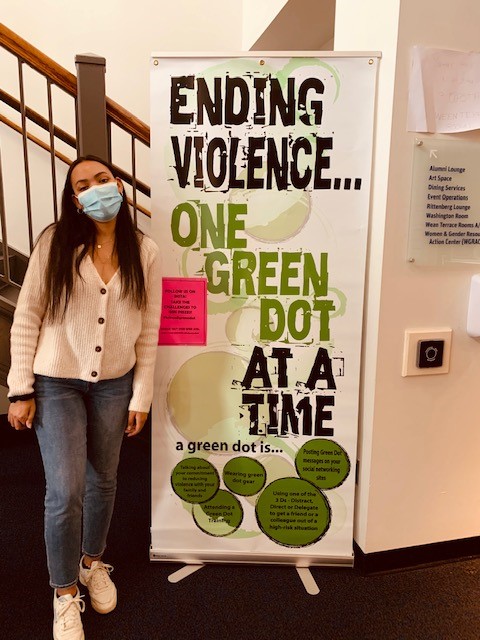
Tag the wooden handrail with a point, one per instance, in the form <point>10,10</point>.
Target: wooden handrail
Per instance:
<point>37,118</point>
<point>68,161</point>
<point>68,82</point>
<point>61,135</point>
<point>127,121</point>
<point>141,186</point>
<point>34,139</point>
<point>38,60</point>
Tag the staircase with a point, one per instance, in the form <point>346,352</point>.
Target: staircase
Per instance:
<point>8,299</point>
<point>32,131</point>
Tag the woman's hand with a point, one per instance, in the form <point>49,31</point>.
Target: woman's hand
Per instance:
<point>21,414</point>
<point>136,420</point>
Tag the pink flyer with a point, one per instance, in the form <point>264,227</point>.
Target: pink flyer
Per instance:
<point>184,311</point>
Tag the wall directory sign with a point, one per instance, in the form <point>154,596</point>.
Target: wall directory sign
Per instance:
<point>445,202</point>
<point>260,187</point>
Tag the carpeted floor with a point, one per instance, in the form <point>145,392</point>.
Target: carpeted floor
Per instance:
<point>219,601</point>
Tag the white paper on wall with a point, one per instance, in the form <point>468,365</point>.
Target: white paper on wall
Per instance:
<point>444,91</point>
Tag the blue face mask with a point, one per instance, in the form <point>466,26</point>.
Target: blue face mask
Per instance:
<point>101,202</point>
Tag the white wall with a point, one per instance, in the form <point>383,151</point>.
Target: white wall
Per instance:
<point>255,16</point>
<point>301,25</point>
<point>354,30</point>
<point>420,441</point>
<point>126,39</point>
<point>125,35</point>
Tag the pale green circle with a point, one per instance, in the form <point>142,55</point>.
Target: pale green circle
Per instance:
<point>293,512</point>
<point>323,462</point>
<point>273,216</point>
<point>275,467</point>
<point>195,480</point>
<point>244,476</point>
<point>220,516</point>
<point>203,400</point>
<point>242,327</point>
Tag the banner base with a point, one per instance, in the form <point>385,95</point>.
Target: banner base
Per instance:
<point>189,558</point>
<point>184,572</point>
<point>304,574</point>
<point>308,581</point>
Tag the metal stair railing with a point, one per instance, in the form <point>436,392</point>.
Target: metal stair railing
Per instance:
<point>59,145</point>
<point>49,135</point>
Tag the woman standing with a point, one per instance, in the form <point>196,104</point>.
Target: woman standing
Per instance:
<point>83,346</point>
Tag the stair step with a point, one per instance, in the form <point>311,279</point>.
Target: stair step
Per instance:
<point>5,324</point>
<point>8,297</point>
<point>18,263</point>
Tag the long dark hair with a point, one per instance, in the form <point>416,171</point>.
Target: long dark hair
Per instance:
<point>74,231</point>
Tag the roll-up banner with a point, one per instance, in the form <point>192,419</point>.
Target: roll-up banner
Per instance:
<point>260,199</point>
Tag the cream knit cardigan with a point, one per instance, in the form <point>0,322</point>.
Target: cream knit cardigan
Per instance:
<point>102,336</point>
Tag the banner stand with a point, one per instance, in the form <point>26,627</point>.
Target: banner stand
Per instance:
<point>261,197</point>
<point>304,574</point>
<point>308,581</point>
<point>184,572</point>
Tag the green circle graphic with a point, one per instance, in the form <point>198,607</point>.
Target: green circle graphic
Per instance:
<point>220,516</point>
<point>195,480</point>
<point>198,415</point>
<point>293,512</point>
<point>323,462</point>
<point>244,476</point>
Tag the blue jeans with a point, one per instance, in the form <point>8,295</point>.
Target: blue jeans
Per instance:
<point>80,427</point>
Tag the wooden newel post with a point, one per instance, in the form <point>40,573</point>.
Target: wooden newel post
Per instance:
<point>91,113</point>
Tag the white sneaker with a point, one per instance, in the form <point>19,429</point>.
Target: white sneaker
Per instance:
<point>67,622</point>
<point>102,591</point>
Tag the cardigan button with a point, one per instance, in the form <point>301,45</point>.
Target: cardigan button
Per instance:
<point>103,291</point>
<point>94,374</point>
<point>98,349</point>
<point>101,320</point>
